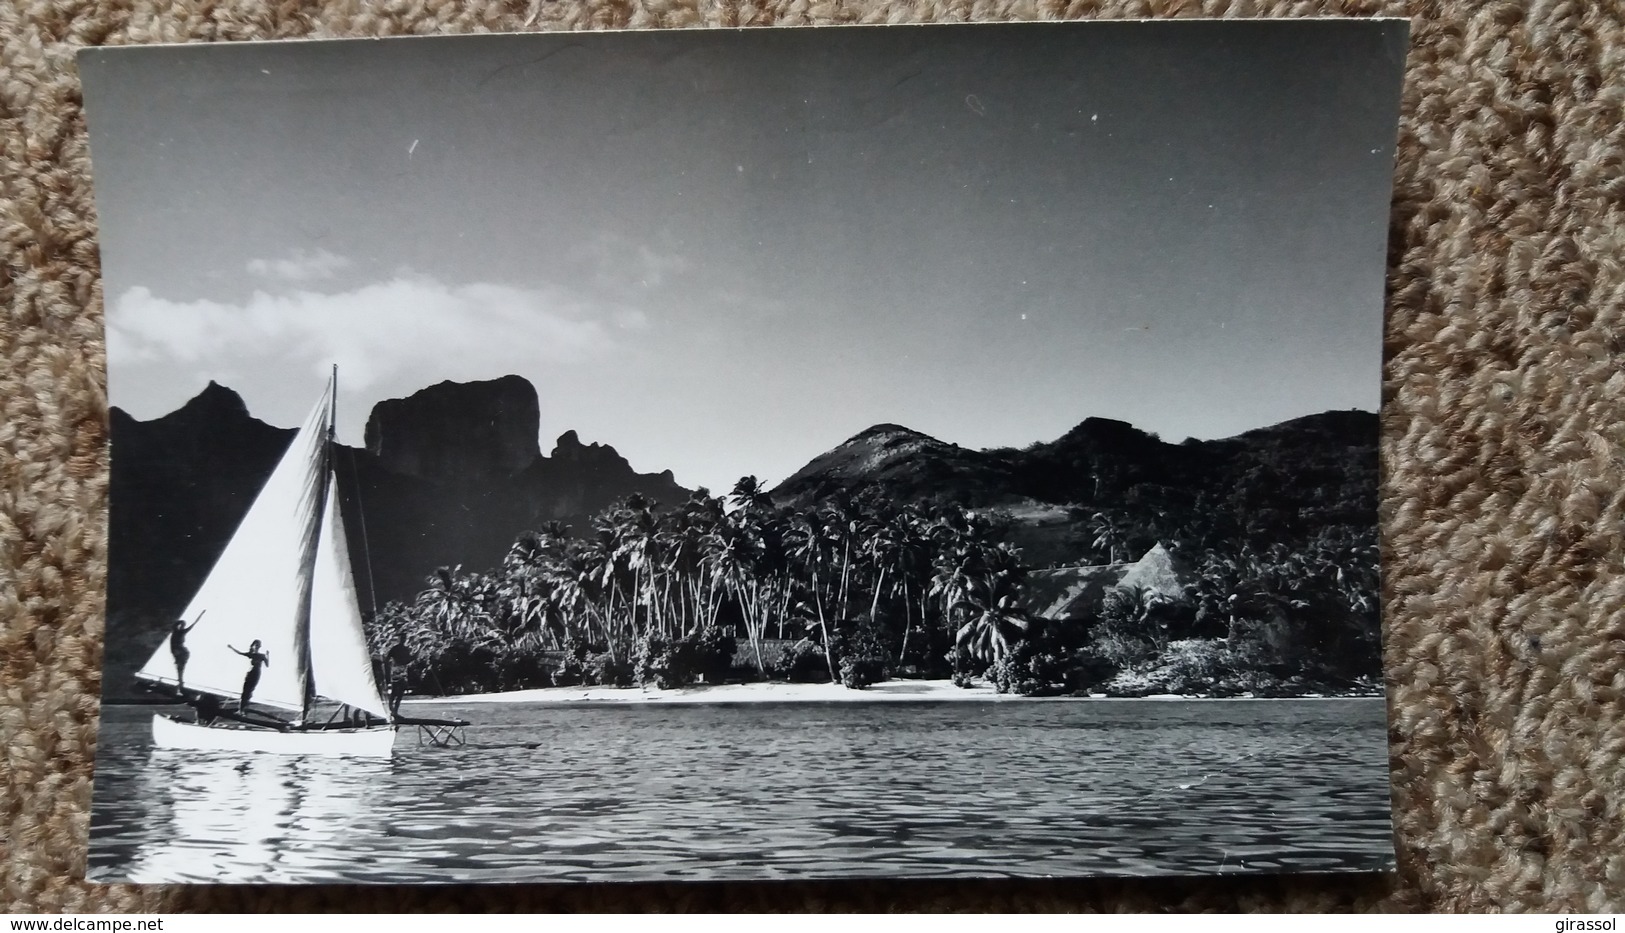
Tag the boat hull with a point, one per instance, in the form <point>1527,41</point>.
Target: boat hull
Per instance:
<point>371,742</point>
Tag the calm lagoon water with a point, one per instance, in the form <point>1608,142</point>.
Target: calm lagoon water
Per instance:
<point>644,792</point>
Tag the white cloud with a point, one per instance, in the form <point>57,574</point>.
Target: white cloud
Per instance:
<point>407,332</point>
<point>300,266</point>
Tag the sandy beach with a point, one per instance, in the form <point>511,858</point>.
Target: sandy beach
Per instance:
<point>889,691</point>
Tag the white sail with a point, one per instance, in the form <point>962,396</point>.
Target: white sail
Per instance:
<point>259,589</point>
<point>339,662</point>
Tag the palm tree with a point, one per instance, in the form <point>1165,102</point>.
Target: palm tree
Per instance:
<point>989,608</point>
<point>451,603</point>
<point>1143,609</point>
<point>392,621</point>
<point>748,494</point>
<point>882,540</point>
<point>911,561</point>
<point>808,544</point>
<point>452,619</point>
<point>678,551</point>
<point>609,571</point>
<point>526,596</point>
<point>637,543</point>
<point>952,566</point>
<point>1249,587</point>
<point>1219,582</point>
<point>1110,533</point>
<point>773,563</point>
<point>580,592</point>
<point>735,557</point>
<point>844,523</point>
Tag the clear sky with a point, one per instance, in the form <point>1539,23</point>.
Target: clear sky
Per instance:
<point>724,252</point>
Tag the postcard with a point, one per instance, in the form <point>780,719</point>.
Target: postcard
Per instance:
<point>897,451</point>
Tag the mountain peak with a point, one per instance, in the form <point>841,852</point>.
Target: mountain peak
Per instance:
<point>892,433</point>
<point>570,447</point>
<point>1102,429</point>
<point>877,452</point>
<point>458,430</point>
<point>214,400</point>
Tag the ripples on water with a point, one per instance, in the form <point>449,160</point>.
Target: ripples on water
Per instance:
<point>774,791</point>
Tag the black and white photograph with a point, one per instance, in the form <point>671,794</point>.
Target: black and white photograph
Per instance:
<point>798,453</point>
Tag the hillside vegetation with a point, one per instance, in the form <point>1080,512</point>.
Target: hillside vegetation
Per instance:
<point>896,554</point>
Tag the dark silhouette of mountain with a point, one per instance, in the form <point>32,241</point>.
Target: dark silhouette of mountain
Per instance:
<point>1277,484</point>
<point>180,485</point>
<point>451,475</point>
<point>411,525</point>
<point>455,430</point>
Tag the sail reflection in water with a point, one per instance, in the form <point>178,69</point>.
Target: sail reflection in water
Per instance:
<point>216,813</point>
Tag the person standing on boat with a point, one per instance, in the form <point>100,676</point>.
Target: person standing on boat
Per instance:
<point>178,651</point>
<point>396,662</point>
<point>256,660</point>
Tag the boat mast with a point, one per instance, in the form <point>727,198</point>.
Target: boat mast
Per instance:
<point>332,417</point>
<point>321,508</point>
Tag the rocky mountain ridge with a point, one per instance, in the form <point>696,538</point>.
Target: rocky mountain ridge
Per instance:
<point>450,475</point>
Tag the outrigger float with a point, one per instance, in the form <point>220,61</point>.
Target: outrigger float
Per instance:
<point>443,733</point>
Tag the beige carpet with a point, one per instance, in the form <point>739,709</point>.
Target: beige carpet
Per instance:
<point>1503,504</point>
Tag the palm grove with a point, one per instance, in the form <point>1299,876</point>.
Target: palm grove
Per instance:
<point>865,584</point>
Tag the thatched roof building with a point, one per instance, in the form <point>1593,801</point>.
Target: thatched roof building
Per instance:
<point>1077,592</point>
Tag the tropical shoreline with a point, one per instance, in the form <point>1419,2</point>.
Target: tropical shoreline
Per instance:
<point>892,691</point>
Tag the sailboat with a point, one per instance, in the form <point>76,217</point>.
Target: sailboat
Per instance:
<point>283,580</point>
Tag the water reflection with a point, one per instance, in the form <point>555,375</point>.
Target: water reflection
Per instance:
<point>968,790</point>
<point>210,814</point>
